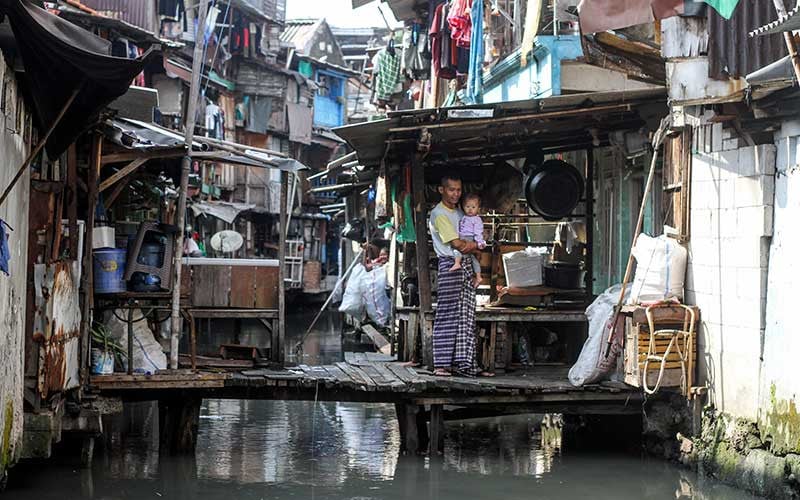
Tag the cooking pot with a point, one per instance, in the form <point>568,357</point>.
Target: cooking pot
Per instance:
<point>564,275</point>
<point>554,189</point>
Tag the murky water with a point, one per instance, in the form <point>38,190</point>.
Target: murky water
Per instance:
<point>287,450</point>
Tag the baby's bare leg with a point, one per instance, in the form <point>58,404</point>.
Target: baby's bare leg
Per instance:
<point>457,264</point>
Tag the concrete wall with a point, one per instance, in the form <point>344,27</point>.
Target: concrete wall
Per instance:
<point>780,384</point>
<point>731,228</point>
<point>14,211</point>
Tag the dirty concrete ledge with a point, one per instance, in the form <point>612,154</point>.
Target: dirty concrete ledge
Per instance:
<point>735,451</point>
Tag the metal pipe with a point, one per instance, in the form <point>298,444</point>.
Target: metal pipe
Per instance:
<point>180,216</point>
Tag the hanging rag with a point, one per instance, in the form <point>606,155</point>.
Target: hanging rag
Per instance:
<point>5,253</point>
<point>416,62</point>
<point>531,29</point>
<point>387,74</point>
<point>474,93</point>
<point>458,18</point>
<point>443,49</point>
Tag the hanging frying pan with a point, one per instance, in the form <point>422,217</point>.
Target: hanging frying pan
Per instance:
<point>554,189</point>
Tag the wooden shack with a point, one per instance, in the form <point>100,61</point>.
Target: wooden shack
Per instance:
<point>407,154</point>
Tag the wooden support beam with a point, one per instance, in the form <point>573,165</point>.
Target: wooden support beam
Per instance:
<point>436,445</point>
<point>88,268</point>
<point>72,201</point>
<point>118,189</point>
<point>123,172</point>
<point>278,336</point>
<point>124,156</point>
<point>423,258</point>
<point>179,419</point>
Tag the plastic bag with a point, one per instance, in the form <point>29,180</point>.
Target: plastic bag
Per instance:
<point>378,304</point>
<point>660,269</point>
<point>352,300</point>
<point>148,356</point>
<point>599,313</point>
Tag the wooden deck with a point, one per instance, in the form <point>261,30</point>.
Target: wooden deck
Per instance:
<point>370,377</point>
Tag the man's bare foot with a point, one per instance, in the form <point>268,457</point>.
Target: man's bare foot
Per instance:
<point>486,374</point>
<point>442,372</point>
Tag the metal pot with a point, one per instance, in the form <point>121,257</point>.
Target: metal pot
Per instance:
<point>564,275</point>
<point>554,189</point>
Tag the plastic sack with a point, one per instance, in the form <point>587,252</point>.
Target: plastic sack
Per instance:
<point>586,370</point>
<point>148,356</point>
<point>352,300</point>
<point>379,306</point>
<point>524,268</point>
<point>660,269</point>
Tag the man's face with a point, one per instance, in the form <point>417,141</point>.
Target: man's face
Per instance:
<point>451,192</point>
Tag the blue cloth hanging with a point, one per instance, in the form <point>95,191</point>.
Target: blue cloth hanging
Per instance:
<point>474,93</point>
<point>5,253</point>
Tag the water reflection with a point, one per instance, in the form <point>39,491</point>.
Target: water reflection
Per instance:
<point>299,450</point>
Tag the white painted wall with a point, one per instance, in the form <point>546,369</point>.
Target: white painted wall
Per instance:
<point>781,340</point>
<point>13,288</point>
<point>731,227</point>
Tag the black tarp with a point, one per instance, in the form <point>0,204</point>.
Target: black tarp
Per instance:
<point>59,57</point>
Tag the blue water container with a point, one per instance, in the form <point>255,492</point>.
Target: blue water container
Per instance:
<point>109,270</point>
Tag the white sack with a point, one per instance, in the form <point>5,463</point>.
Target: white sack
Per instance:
<point>599,313</point>
<point>352,302</point>
<point>378,304</point>
<point>147,353</point>
<point>660,269</point>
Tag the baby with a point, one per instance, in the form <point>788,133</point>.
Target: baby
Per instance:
<point>470,228</point>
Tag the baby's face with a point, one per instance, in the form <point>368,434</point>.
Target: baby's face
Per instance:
<point>472,207</point>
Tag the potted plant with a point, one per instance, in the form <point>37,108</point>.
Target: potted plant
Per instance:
<point>105,350</point>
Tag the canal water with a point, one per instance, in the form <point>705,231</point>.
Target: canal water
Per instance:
<point>305,450</point>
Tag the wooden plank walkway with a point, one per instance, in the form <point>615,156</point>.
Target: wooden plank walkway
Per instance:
<point>377,377</point>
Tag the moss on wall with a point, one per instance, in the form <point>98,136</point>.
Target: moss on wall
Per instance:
<point>5,446</point>
<point>780,425</point>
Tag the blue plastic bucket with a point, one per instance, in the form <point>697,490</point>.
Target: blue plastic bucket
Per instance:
<point>109,270</point>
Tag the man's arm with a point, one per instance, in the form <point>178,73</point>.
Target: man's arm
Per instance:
<point>465,246</point>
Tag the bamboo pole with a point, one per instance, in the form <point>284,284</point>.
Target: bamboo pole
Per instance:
<point>39,145</point>
<point>180,216</point>
<point>657,140</point>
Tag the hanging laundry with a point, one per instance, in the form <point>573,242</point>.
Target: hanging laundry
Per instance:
<point>443,48</point>
<point>460,22</point>
<point>475,75</point>
<point>5,253</point>
<point>214,122</point>
<point>386,74</point>
<point>416,63</point>
<point>724,8</point>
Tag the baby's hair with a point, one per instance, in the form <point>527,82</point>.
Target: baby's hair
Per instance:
<point>472,196</point>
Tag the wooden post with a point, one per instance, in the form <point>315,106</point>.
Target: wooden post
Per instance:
<point>180,215</point>
<point>436,445</point>
<point>72,201</point>
<point>423,259</point>
<point>88,268</point>
<point>788,36</point>
<point>179,419</point>
<point>278,336</point>
<point>589,255</point>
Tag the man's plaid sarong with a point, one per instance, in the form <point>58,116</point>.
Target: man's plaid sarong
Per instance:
<point>454,324</point>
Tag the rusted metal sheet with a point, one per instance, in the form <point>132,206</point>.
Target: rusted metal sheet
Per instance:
<point>731,53</point>
<point>57,322</point>
<point>141,13</point>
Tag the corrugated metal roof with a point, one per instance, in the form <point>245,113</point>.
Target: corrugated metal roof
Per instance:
<point>789,22</point>
<point>298,32</point>
<point>731,53</point>
<point>553,123</point>
<point>139,13</point>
